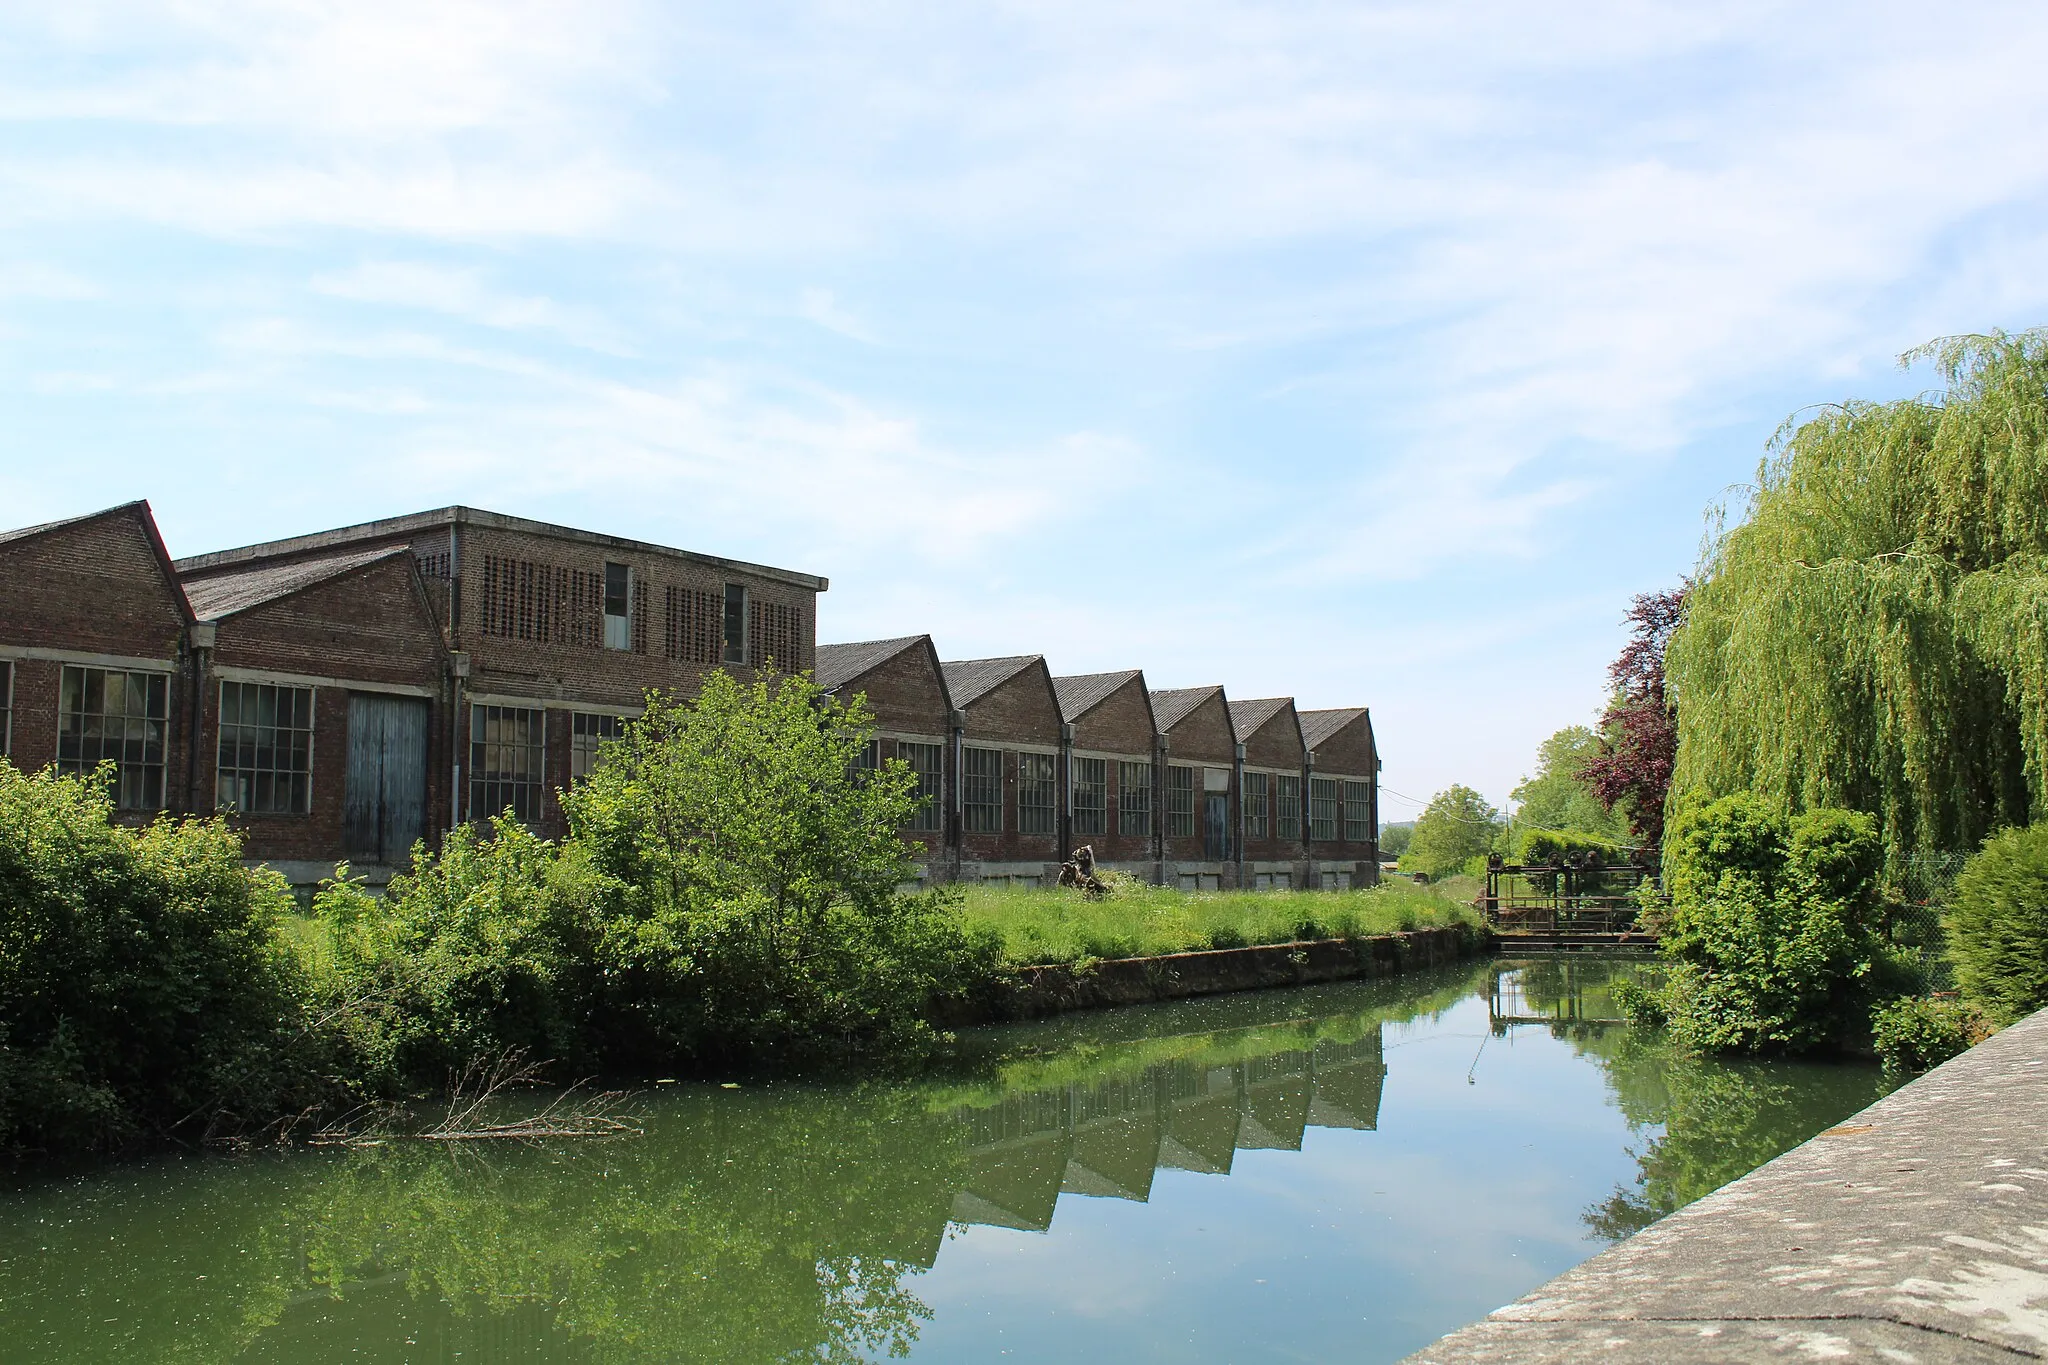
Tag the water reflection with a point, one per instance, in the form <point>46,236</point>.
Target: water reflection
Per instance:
<point>803,1221</point>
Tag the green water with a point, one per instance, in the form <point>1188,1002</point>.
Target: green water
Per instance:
<point>1335,1172</point>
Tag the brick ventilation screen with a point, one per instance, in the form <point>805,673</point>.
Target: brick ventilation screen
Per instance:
<point>692,625</point>
<point>432,564</point>
<point>774,636</point>
<point>545,603</point>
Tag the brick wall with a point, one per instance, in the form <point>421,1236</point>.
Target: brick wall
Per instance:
<point>1201,739</point>
<point>1274,748</point>
<point>94,588</point>
<point>1350,753</point>
<point>906,695</point>
<point>371,627</point>
<point>1021,710</point>
<point>1119,727</point>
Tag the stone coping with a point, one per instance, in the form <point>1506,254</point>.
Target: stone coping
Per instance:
<point>1916,1231</point>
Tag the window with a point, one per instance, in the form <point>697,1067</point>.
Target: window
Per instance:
<point>1357,812</point>
<point>588,734</point>
<point>6,706</point>
<point>1091,796</point>
<point>1255,807</point>
<point>105,715</point>
<point>1322,809</point>
<point>266,749</point>
<point>867,759</point>
<point>1180,802</point>
<point>983,791</point>
<point>1134,798</point>
<point>735,624</point>
<point>925,761</point>
<point>505,745</point>
<point>618,607</point>
<point>1038,787</point>
<point>1287,803</point>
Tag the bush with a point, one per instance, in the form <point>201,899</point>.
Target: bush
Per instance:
<point>490,946</point>
<point>1774,925</point>
<point>144,990</point>
<point>1556,847</point>
<point>1998,924</point>
<point>749,875</point>
<point>1913,1034</point>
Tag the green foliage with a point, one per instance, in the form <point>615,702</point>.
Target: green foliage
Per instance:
<point>1457,826</point>
<point>143,989</point>
<point>1874,635</point>
<point>1557,798</point>
<point>1394,838</point>
<point>1913,1034</point>
<point>1553,847</point>
<point>751,876</point>
<point>1773,925</point>
<point>490,946</point>
<point>1641,1005</point>
<point>728,889</point>
<point>1037,926</point>
<point>1998,924</point>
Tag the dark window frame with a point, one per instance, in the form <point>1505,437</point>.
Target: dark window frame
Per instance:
<point>928,762</point>
<point>1180,801</point>
<point>589,732</point>
<point>141,749</point>
<point>1091,795</point>
<point>494,789</point>
<point>981,805</point>
<point>1038,793</point>
<point>1134,798</point>
<point>253,757</point>
<point>1257,805</point>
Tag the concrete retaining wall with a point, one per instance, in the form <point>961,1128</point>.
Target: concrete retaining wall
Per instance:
<point>1033,992</point>
<point>1915,1231</point>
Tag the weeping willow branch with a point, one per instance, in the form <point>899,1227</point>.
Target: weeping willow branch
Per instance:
<point>1874,632</point>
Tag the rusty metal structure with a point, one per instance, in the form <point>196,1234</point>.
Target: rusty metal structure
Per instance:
<point>1586,905</point>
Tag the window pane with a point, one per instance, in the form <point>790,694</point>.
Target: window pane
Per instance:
<point>1037,794</point>
<point>266,738</point>
<point>1091,796</point>
<point>924,760</point>
<point>106,715</point>
<point>1134,798</point>
<point>505,754</point>
<point>1180,802</point>
<point>982,806</point>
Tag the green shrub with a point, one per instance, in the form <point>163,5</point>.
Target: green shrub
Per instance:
<point>490,946</point>
<point>1774,926</point>
<point>1641,1005</point>
<point>1913,1034</point>
<point>748,882</point>
<point>144,989</point>
<point>1998,924</point>
<point>1554,847</point>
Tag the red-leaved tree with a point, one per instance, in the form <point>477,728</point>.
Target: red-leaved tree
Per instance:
<point>1639,731</point>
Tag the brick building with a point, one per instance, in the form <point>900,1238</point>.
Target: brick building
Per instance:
<point>1200,755</point>
<point>1009,789</point>
<point>1343,796</point>
<point>1112,782</point>
<point>1270,809</point>
<point>343,694</point>
<point>905,691</point>
<point>553,637</point>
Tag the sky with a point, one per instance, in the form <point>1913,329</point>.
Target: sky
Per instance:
<point>1373,354</point>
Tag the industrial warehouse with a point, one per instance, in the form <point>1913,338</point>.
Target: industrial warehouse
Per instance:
<point>343,695</point>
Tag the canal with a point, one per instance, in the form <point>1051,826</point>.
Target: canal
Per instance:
<point>1331,1172</point>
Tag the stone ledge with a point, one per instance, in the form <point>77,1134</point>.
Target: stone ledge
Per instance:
<point>1034,992</point>
<point>1915,1231</point>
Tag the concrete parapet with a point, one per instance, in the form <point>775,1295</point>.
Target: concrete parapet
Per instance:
<point>1915,1231</point>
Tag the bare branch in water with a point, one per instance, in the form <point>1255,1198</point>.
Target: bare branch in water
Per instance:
<point>573,1113</point>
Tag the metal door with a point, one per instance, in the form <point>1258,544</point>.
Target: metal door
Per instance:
<point>1216,825</point>
<point>383,813</point>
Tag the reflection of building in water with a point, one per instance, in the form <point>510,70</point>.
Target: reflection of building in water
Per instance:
<point>1106,1138</point>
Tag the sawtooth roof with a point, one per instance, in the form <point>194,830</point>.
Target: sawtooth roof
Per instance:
<point>840,664</point>
<point>1247,716</point>
<point>139,509</point>
<point>1080,693</point>
<point>968,680</point>
<point>216,596</point>
<point>1317,726</point>
<point>1171,707</point>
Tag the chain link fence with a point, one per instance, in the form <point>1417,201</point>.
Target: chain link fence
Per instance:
<point>1915,900</point>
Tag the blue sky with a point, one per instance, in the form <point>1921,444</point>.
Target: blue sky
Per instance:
<point>1370,353</point>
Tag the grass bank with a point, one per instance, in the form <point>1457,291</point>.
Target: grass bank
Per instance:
<point>1040,926</point>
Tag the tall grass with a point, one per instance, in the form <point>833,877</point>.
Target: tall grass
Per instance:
<point>1038,926</point>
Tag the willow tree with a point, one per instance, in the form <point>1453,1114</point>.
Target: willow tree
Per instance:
<point>1874,632</point>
